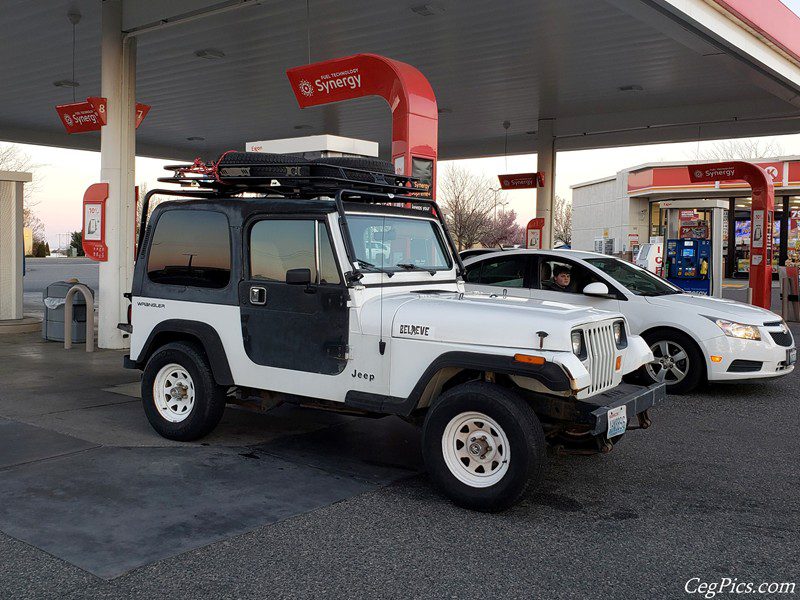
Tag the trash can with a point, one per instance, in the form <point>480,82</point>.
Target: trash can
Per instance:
<point>54,297</point>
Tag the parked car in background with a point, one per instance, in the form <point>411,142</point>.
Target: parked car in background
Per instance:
<point>693,338</point>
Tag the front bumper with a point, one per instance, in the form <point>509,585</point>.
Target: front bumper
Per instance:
<point>636,399</point>
<point>771,356</point>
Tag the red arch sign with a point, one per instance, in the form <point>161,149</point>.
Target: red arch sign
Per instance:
<point>761,218</point>
<point>415,119</point>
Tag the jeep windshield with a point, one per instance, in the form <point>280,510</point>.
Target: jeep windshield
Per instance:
<point>398,243</point>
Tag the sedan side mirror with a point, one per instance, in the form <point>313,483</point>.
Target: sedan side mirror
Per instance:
<point>596,289</point>
<point>298,276</point>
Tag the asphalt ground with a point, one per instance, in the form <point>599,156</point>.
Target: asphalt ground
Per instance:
<point>710,491</point>
<point>93,504</point>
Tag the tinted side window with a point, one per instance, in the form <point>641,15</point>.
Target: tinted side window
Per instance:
<point>473,272</point>
<point>280,245</point>
<point>508,271</point>
<point>328,273</point>
<point>191,248</point>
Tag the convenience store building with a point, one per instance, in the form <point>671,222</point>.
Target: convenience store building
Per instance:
<point>617,214</point>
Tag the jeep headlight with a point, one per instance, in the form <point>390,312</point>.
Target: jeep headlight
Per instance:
<point>737,330</point>
<point>578,345</point>
<point>620,338</point>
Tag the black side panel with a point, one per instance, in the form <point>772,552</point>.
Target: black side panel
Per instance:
<point>182,329</point>
<point>299,328</point>
<point>548,374</point>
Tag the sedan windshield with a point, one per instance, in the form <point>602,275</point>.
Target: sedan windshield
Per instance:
<point>395,243</point>
<point>639,281</point>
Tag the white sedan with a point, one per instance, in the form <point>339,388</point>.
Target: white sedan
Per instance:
<point>693,338</point>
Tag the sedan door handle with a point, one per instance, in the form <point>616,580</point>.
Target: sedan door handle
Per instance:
<point>258,295</point>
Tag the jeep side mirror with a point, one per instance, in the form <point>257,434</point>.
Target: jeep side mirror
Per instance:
<point>298,276</point>
<point>596,289</point>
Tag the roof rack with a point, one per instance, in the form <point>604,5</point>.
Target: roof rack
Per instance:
<point>286,176</point>
<point>292,176</point>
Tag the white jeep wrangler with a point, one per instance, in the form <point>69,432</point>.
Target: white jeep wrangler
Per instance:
<point>281,296</point>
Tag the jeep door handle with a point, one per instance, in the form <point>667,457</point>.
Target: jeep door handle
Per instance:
<point>258,295</point>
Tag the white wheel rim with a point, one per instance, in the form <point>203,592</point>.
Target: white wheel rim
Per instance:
<point>173,393</point>
<point>476,449</point>
<point>671,362</point>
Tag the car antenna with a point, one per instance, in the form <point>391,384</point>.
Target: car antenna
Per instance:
<point>381,343</point>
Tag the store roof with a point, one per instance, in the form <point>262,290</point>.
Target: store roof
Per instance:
<point>610,72</point>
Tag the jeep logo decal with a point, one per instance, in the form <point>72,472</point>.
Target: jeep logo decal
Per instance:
<point>358,374</point>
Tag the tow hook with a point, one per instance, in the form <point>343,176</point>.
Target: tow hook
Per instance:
<point>644,420</point>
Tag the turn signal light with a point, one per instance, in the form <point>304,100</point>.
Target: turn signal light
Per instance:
<point>715,359</point>
<point>531,360</point>
<point>619,363</point>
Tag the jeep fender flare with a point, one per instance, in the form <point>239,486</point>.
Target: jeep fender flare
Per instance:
<point>549,374</point>
<point>184,330</point>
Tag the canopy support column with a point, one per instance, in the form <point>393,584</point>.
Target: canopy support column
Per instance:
<point>117,167</point>
<point>546,162</point>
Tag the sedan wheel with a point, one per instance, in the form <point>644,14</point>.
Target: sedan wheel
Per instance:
<point>671,362</point>
<point>678,361</point>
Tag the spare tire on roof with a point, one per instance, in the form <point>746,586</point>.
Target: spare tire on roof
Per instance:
<point>260,158</point>
<point>262,164</point>
<point>376,165</point>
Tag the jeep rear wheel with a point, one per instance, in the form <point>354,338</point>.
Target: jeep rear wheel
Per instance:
<point>483,446</point>
<point>179,395</point>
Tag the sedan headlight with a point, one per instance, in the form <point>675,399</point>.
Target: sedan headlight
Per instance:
<point>620,338</point>
<point>737,330</point>
<point>578,345</point>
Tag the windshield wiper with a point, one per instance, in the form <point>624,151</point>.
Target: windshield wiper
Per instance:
<point>363,263</point>
<point>412,267</point>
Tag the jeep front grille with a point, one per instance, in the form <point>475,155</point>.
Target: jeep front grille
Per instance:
<point>601,355</point>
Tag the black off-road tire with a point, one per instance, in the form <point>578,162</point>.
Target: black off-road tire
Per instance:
<point>209,398</point>
<point>519,424</point>
<point>353,162</point>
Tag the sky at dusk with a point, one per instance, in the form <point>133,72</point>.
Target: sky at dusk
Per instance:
<point>63,175</point>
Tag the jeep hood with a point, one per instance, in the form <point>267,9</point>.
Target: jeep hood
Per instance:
<point>478,319</point>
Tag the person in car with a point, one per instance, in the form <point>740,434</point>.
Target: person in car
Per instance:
<point>561,280</point>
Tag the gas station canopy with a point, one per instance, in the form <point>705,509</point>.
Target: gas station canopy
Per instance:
<point>607,72</point>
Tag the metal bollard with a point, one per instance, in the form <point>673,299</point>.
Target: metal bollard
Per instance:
<point>87,296</point>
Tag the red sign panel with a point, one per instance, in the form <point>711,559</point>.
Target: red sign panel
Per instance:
<point>94,222</point>
<point>82,117</point>
<point>521,181</point>
<point>141,113</point>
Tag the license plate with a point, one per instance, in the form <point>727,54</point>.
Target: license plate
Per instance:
<point>791,356</point>
<point>617,421</point>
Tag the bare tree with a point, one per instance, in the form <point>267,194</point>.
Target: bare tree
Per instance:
<point>562,221</point>
<point>468,201</point>
<point>14,159</point>
<point>503,231</point>
<point>740,149</point>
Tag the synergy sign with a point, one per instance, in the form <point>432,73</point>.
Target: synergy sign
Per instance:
<point>82,117</point>
<point>313,86</point>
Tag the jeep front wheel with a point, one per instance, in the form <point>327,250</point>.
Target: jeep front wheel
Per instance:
<point>483,446</point>
<point>180,397</point>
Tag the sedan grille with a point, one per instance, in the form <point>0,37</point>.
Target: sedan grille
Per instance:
<point>601,355</point>
<point>782,338</point>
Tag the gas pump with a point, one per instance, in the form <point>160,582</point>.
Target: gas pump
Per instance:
<point>688,264</point>
<point>693,250</point>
